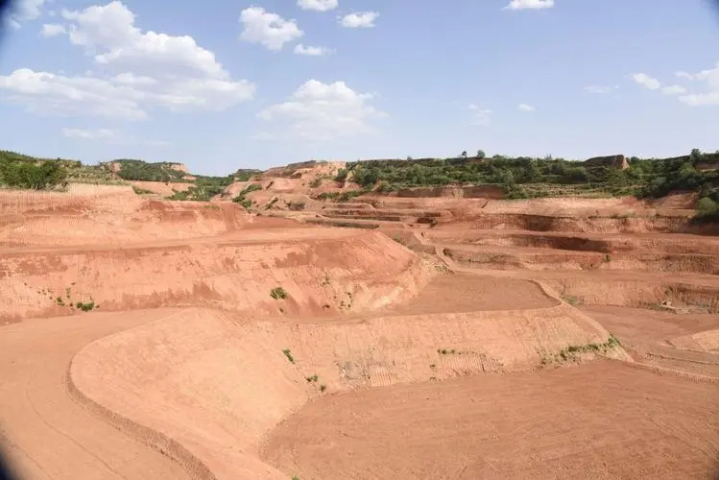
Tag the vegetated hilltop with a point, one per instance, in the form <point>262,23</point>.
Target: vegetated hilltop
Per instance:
<point>510,178</point>
<point>27,172</point>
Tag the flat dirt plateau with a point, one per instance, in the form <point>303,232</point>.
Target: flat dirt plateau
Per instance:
<point>605,420</point>
<point>439,339</point>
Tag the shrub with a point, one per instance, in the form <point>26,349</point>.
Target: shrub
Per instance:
<point>316,183</point>
<point>142,191</point>
<point>288,354</point>
<point>85,307</point>
<point>341,175</point>
<point>706,206</point>
<point>23,174</point>
<point>278,293</point>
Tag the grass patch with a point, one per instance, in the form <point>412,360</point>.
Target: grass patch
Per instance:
<point>573,301</point>
<point>278,293</point>
<point>288,354</point>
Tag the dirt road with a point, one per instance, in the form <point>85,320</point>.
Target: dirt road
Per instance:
<point>602,420</point>
<point>45,432</point>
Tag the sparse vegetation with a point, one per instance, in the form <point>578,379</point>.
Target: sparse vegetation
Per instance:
<point>142,191</point>
<point>312,379</point>
<point>323,388</point>
<point>85,307</point>
<point>573,301</point>
<point>571,352</point>
<point>245,202</point>
<point>288,355</point>
<point>278,293</point>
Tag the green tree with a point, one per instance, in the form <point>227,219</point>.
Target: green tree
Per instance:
<point>481,154</point>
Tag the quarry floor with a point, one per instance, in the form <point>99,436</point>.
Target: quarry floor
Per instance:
<point>655,415</point>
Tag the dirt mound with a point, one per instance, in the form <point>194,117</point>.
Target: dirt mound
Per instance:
<point>345,270</point>
<point>547,259</point>
<point>270,369</point>
<point>108,216</point>
<point>547,223</point>
<point>161,188</point>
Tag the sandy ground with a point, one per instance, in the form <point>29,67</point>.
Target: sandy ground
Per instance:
<point>603,420</point>
<point>44,430</point>
<point>404,352</point>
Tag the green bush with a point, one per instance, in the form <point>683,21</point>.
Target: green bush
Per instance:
<point>278,293</point>
<point>30,175</point>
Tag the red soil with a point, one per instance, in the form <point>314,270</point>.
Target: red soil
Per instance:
<point>200,391</point>
<point>603,420</point>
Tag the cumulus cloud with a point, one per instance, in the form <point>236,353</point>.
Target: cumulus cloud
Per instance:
<point>600,89</point>
<point>525,107</point>
<point>112,136</point>
<point>89,134</point>
<point>24,10</point>
<point>480,116</point>
<point>137,71</point>
<point>646,81</point>
<point>704,86</point>
<point>359,20</point>
<point>710,96</point>
<point>52,30</point>
<point>685,75</point>
<point>529,4</point>
<point>109,33</point>
<point>324,111</point>
<point>317,5</point>
<point>268,29</point>
<point>674,90</point>
<point>312,51</point>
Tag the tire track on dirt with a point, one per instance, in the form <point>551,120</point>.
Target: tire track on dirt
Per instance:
<point>46,433</point>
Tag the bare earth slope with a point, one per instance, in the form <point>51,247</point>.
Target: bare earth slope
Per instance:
<point>440,340</point>
<point>46,432</point>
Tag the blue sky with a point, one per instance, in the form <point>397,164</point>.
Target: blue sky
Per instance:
<point>221,85</point>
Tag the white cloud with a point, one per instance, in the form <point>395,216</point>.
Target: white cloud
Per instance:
<point>110,136</point>
<point>321,112</point>
<point>685,75</point>
<point>525,107</point>
<point>158,70</point>
<point>90,134</point>
<point>359,20</point>
<point>128,78</point>
<point>480,116</point>
<point>317,5</point>
<point>52,29</point>
<point>599,89</point>
<point>109,32</point>
<point>24,10</point>
<point>85,95</point>
<point>311,51</point>
<point>710,78</point>
<point>674,90</point>
<point>646,81</point>
<point>529,4</point>
<point>268,29</point>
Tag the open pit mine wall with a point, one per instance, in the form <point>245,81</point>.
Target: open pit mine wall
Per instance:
<point>222,383</point>
<point>349,273</point>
